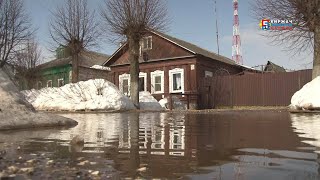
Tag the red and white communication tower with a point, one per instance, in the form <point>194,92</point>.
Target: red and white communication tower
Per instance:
<point>236,45</point>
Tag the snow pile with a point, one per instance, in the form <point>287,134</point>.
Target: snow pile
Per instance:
<point>96,94</point>
<point>17,113</point>
<point>148,102</point>
<point>177,104</point>
<point>308,97</point>
<point>100,67</point>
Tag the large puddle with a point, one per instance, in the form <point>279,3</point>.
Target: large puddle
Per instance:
<point>235,145</point>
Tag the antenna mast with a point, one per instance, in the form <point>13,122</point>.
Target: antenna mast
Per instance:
<point>236,45</point>
<point>217,27</point>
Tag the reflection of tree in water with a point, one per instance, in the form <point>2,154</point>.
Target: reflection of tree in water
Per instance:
<point>170,144</point>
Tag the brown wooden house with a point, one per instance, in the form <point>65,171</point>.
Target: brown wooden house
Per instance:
<point>169,65</point>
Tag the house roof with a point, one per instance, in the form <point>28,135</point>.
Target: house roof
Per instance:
<point>274,68</point>
<point>187,46</point>
<point>86,59</point>
<point>195,49</point>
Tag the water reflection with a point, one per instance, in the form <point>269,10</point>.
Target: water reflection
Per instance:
<point>197,146</point>
<point>308,127</point>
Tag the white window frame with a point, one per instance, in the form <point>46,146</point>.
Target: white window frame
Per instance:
<point>61,79</point>
<point>142,43</point>
<point>208,74</point>
<point>175,71</point>
<point>153,75</point>
<point>48,83</point>
<point>144,75</point>
<point>121,78</point>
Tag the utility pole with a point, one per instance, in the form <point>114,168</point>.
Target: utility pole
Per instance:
<point>217,27</point>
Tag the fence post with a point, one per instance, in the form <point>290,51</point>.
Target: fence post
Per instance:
<point>231,89</point>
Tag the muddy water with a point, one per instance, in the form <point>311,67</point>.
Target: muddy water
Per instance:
<point>235,145</point>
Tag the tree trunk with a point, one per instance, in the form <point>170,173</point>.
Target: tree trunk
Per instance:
<point>2,63</point>
<point>316,58</point>
<point>75,67</point>
<point>134,70</point>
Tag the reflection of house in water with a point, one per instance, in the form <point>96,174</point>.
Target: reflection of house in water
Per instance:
<point>152,135</point>
<point>173,144</point>
<point>176,144</point>
<point>96,129</point>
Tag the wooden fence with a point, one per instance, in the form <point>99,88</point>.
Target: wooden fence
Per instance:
<point>269,89</point>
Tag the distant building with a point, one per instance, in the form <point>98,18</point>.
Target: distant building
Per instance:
<point>271,67</point>
<point>58,72</point>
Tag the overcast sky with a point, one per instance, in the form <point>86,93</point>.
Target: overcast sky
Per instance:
<point>192,21</point>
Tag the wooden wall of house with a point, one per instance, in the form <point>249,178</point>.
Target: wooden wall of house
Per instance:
<point>161,49</point>
<point>190,78</point>
<point>53,74</point>
<point>216,67</point>
<point>89,73</point>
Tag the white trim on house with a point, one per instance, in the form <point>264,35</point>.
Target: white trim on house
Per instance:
<point>153,75</point>
<point>144,75</point>
<point>121,78</point>
<point>49,81</point>
<point>171,73</point>
<point>142,44</point>
<point>208,74</point>
<point>61,79</point>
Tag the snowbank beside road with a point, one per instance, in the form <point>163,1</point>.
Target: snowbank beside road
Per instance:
<point>97,94</point>
<point>16,113</point>
<point>308,97</point>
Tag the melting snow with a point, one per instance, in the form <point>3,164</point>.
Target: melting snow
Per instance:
<point>96,94</point>
<point>308,97</point>
<point>100,67</point>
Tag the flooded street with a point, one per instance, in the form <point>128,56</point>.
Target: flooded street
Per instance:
<point>229,145</point>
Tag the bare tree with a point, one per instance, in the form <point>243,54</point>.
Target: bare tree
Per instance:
<point>15,28</point>
<point>131,19</point>
<point>26,61</point>
<point>74,26</point>
<point>306,17</point>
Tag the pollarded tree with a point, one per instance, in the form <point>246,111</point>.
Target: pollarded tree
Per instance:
<point>74,26</point>
<point>306,17</point>
<point>131,19</point>
<point>15,29</point>
<point>26,60</point>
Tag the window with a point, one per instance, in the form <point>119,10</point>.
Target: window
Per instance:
<point>142,81</point>
<point>208,74</point>
<point>60,82</point>
<point>157,82</point>
<point>141,84</point>
<point>49,83</point>
<point>176,80</point>
<point>39,84</point>
<point>124,84</point>
<point>146,43</point>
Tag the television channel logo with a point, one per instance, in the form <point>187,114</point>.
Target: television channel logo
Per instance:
<point>267,24</point>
